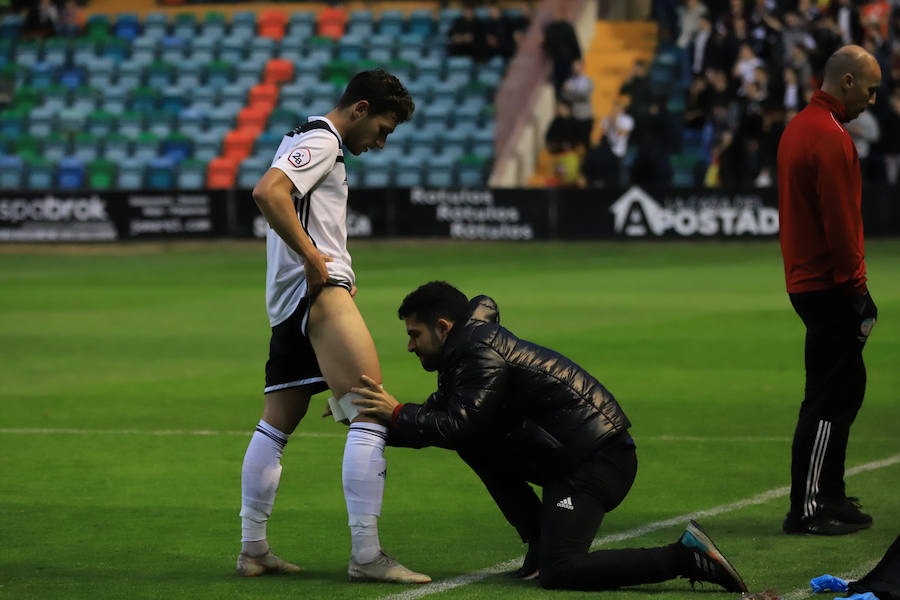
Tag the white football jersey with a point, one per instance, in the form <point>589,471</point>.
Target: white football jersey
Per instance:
<point>312,158</point>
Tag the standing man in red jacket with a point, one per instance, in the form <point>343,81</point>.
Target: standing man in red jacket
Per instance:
<point>819,195</point>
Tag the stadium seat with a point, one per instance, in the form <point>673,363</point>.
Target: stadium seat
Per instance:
<point>11,170</point>
<point>268,141</point>
<point>71,77</point>
<point>377,178</point>
<point>282,120</point>
<point>116,146</point>
<point>56,51</point>
<point>41,174</point>
<point>191,121</point>
<point>278,70</point>
<point>238,143</point>
<point>130,123</point>
<point>130,174</point>
<point>191,175</point>
<point>253,116</point>
<point>85,147</point>
<point>70,174</point>
<point>471,171</point>
<point>251,170</point>
<point>41,121</point>
<point>185,25</point>
<point>219,73</point>
<point>158,74</point>
<point>12,122</point>
<point>146,147</point>
<point>208,144</point>
<point>101,123</point>
<point>440,170</point>
<point>331,22</point>
<point>221,172</point>
<point>144,99</point>
<point>243,24</point>
<point>360,29</point>
<point>421,22</point>
<point>408,171</point>
<point>177,147</point>
<point>161,173</point>
<point>391,23</point>
<point>159,123</point>
<point>101,174</point>
<point>351,49</point>
<point>272,24</point>
<point>221,116</point>
<point>455,140</point>
<point>72,120</point>
<point>214,24</point>
<point>42,74</point>
<point>127,26</point>
<point>264,94</point>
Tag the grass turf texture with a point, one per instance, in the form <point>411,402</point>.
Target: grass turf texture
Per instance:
<point>122,347</point>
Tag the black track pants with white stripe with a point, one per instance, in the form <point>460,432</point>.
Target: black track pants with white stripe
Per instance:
<point>835,385</point>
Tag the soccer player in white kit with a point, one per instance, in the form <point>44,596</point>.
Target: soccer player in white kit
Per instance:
<point>319,339</point>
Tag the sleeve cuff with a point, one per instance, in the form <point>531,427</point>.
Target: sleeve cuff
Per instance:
<point>395,414</point>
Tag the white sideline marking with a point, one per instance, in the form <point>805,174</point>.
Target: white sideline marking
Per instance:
<point>474,576</point>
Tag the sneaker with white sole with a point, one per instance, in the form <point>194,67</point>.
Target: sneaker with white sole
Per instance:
<point>702,561</point>
<point>265,564</point>
<point>384,568</point>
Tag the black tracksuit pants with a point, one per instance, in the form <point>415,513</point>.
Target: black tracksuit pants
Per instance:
<point>835,384</point>
<point>569,517</point>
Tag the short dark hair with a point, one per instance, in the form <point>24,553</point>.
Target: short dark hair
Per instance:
<point>384,92</point>
<point>432,301</point>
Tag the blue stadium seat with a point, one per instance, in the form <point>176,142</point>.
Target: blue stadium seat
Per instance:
<point>130,175</point>
<point>28,53</point>
<point>42,74</point>
<point>177,147</point>
<point>127,26</point>
<point>267,143</point>
<point>146,147</point>
<point>56,51</point>
<point>41,175</point>
<point>116,145</point>
<point>408,170</point>
<point>462,65</point>
<point>161,173</point>
<point>160,123</point>
<point>360,29</point>
<point>232,50</point>
<point>251,170</point>
<point>456,140</point>
<point>391,23</point>
<point>11,170</point>
<point>191,121</point>
<point>85,147</point>
<point>130,74</point>
<point>191,175</point>
<point>131,124</point>
<point>42,121</point>
<point>440,170</point>
<point>421,22</point>
<point>70,174</point>
<point>426,137</point>
<point>377,178</point>
<point>204,98</point>
<point>72,119</point>
<point>208,144</point>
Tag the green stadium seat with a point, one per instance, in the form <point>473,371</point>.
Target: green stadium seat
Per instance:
<point>28,144</point>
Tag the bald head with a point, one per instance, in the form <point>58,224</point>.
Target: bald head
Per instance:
<point>852,75</point>
<point>849,59</point>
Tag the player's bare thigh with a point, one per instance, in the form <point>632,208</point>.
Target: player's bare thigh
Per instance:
<point>341,339</point>
<point>284,409</point>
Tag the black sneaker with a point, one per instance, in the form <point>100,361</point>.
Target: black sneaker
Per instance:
<point>530,566</point>
<point>835,518</point>
<point>702,561</point>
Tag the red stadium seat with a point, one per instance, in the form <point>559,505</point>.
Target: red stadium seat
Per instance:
<point>279,70</point>
<point>331,22</point>
<point>239,143</point>
<point>253,117</point>
<point>272,24</point>
<point>265,94</point>
<point>222,172</point>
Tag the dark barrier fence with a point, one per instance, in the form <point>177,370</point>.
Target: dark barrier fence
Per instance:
<point>466,214</point>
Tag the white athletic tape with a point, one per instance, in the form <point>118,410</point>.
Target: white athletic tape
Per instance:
<point>475,576</point>
<point>344,409</point>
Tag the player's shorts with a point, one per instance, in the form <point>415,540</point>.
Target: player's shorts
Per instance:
<point>292,361</point>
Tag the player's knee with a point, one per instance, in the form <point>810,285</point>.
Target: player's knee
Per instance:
<point>554,575</point>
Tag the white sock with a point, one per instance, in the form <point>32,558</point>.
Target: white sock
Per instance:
<point>363,477</point>
<point>260,475</point>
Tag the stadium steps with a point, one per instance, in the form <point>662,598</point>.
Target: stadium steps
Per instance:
<point>615,48</point>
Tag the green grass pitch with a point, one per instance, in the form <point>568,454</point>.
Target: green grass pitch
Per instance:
<point>107,354</point>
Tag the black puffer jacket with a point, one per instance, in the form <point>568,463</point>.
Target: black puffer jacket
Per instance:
<point>495,389</point>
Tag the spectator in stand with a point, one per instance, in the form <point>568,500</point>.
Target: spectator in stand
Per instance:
<point>42,18</point>
<point>700,46</point>
<point>865,132</point>
<point>498,35</point>
<point>875,17</point>
<point>689,21</point>
<point>799,61</point>
<point>828,37</point>
<point>744,70</point>
<point>795,33</point>
<point>793,91</point>
<point>563,129</point>
<point>617,127</point>
<point>699,103</point>
<point>576,92</point>
<point>466,35</point>
<point>561,46</point>
<point>847,17</point>
<point>890,139</point>
<point>638,88</point>
<point>765,29</point>
<point>655,144</point>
